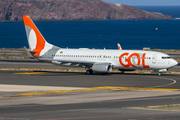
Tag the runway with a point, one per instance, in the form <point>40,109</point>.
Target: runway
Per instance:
<point>80,79</point>
<point>87,97</point>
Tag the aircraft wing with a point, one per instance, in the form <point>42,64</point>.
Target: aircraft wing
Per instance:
<point>69,62</point>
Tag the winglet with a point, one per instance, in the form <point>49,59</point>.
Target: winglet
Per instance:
<point>119,46</point>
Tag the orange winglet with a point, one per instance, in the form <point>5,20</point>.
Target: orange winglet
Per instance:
<point>118,46</point>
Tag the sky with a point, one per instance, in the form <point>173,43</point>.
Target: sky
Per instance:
<point>146,2</point>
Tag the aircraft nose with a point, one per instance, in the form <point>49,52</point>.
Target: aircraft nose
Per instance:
<point>174,63</point>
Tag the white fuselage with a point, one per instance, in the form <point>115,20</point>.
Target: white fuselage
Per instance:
<point>120,59</point>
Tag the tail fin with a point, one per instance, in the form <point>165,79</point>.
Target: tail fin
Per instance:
<point>119,46</point>
<point>37,44</point>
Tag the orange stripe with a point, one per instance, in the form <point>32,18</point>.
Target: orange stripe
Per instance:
<point>118,46</point>
<point>40,40</point>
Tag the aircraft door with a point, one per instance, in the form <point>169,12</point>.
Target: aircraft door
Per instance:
<point>154,58</point>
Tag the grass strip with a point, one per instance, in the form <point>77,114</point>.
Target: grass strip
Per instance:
<point>163,107</point>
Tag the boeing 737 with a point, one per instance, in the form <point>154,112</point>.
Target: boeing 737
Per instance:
<point>94,60</point>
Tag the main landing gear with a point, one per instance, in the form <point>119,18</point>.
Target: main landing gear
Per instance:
<point>89,72</point>
<point>122,72</point>
<point>159,73</point>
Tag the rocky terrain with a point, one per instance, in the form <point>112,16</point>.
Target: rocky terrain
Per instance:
<point>59,10</point>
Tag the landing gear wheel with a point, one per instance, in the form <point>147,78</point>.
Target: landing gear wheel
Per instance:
<point>159,74</point>
<point>89,72</point>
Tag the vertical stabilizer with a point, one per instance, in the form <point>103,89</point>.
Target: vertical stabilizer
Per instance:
<point>36,41</point>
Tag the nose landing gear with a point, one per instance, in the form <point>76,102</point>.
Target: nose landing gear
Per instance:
<point>162,71</point>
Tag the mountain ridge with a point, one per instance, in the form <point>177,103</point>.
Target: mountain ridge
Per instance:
<point>68,10</point>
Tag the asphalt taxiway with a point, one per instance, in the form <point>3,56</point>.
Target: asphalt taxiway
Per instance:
<point>75,95</point>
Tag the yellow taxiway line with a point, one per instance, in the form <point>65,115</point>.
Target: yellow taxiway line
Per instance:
<point>96,89</point>
<point>26,73</point>
<point>138,88</point>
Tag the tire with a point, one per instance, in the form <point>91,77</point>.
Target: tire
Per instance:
<point>159,74</point>
<point>89,72</point>
<point>122,72</point>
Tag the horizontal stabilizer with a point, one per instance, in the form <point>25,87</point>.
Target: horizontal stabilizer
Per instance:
<point>29,53</point>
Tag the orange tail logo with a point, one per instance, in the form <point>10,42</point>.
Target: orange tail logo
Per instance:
<point>35,39</point>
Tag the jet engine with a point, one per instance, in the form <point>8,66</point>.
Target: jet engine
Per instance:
<point>102,67</point>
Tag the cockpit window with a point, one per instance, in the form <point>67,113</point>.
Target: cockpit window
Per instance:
<point>166,57</point>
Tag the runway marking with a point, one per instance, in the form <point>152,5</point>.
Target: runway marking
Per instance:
<point>138,88</point>
<point>91,89</point>
<point>26,73</point>
<point>62,91</point>
<point>174,81</point>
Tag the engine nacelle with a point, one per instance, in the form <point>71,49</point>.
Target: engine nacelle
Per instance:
<point>102,67</point>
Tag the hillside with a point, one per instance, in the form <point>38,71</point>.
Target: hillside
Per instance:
<point>58,10</point>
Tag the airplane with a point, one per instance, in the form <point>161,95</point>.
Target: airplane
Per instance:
<point>93,60</point>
